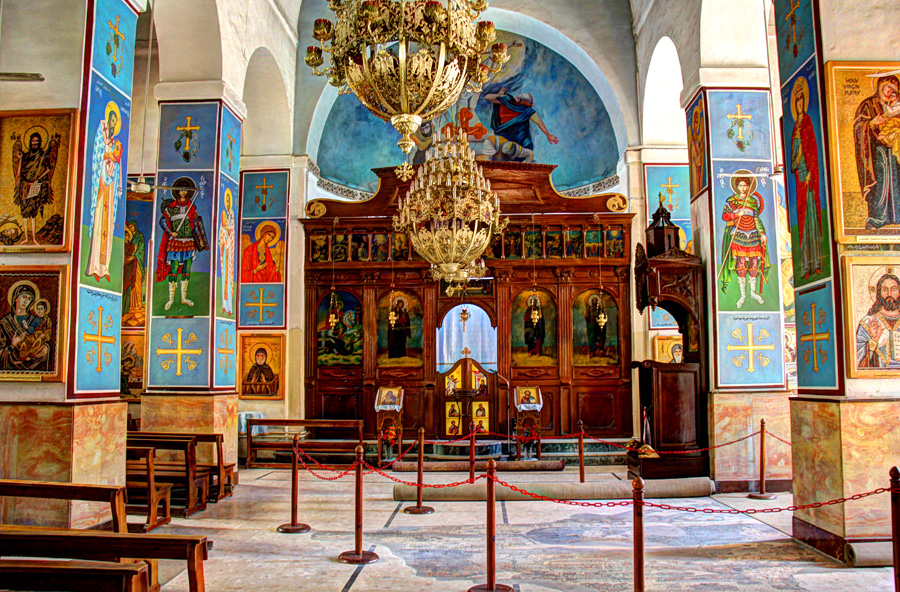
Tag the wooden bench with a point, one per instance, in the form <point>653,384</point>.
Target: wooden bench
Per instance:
<point>103,546</point>
<point>223,476</point>
<point>113,495</point>
<point>145,493</point>
<point>310,444</point>
<point>185,476</point>
<point>32,575</point>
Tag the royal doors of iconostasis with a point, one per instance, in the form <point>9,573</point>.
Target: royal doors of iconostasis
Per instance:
<point>468,397</point>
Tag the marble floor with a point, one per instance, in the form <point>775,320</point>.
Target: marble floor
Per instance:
<point>541,546</point>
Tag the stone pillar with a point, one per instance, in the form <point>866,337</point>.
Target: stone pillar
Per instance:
<point>844,420</point>
<point>733,194</point>
<point>59,420</point>
<point>192,302</point>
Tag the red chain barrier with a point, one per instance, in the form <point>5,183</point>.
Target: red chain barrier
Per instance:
<point>341,475</point>
<point>399,457</point>
<point>750,511</point>
<point>626,448</point>
<point>782,440</point>
<point>460,439</point>
<point>411,484</point>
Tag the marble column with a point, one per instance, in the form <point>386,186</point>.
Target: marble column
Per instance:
<point>192,302</point>
<point>734,194</point>
<point>844,419</point>
<point>60,418</point>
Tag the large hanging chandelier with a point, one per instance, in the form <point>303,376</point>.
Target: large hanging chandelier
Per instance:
<point>407,61</point>
<point>450,212</point>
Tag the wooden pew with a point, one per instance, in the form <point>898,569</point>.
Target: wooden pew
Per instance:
<point>222,475</point>
<point>111,494</point>
<point>145,493</point>
<point>309,445</point>
<point>184,475</point>
<point>103,546</point>
<point>33,575</point>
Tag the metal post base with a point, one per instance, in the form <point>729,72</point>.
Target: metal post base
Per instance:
<point>294,528</point>
<point>363,558</point>
<point>761,496</point>
<point>496,588</point>
<point>417,511</point>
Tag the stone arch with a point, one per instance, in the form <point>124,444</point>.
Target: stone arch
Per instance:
<point>189,40</point>
<point>662,118</point>
<point>267,126</point>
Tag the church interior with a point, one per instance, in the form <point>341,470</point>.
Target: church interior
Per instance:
<point>275,273</point>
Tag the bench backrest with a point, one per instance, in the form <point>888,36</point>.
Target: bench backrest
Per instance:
<point>187,445</point>
<point>112,494</point>
<point>314,425</point>
<point>100,546</point>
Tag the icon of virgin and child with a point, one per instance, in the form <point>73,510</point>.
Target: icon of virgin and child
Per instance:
<point>26,330</point>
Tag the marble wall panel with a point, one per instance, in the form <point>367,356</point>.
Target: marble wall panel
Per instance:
<point>98,447</point>
<point>37,445</point>
<point>194,413</point>
<point>225,422</point>
<point>818,470</point>
<point>870,435</point>
<point>734,415</point>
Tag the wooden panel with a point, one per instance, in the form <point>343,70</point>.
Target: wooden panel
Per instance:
<point>348,373</point>
<point>339,406</point>
<point>675,393</point>
<point>604,412</point>
<point>400,373</point>
<point>595,372</point>
<point>535,373</point>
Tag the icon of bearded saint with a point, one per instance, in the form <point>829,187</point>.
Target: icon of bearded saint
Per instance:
<point>878,333</point>
<point>33,172</point>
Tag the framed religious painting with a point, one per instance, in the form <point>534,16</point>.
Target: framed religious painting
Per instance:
<point>37,179</point>
<point>399,330</point>
<point>668,349</point>
<point>533,340</point>
<point>389,398</point>
<point>481,416</point>
<point>340,330</point>
<point>863,101</point>
<point>872,316</point>
<point>33,317</point>
<point>528,398</point>
<point>261,373</point>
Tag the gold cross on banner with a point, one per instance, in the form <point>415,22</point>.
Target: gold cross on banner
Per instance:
<point>225,341</point>
<point>792,20</point>
<point>117,33</point>
<point>230,138</point>
<point>265,188</point>
<point>187,128</point>
<point>100,339</point>
<point>751,348</point>
<point>670,186</point>
<point>260,305</point>
<point>739,116</point>
<point>178,351</point>
<point>814,337</point>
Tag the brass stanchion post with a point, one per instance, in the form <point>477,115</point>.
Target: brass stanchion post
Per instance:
<point>638,497</point>
<point>492,585</point>
<point>294,527</point>
<point>419,508</point>
<point>895,523</point>
<point>358,556</point>
<point>471,450</point>
<point>581,450</point>
<point>762,465</point>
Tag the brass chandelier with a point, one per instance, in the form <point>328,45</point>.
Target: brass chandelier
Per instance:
<point>407,61</point>
<point>450,212</point>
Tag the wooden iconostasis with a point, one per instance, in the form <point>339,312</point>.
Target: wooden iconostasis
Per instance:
<point>554,255</point>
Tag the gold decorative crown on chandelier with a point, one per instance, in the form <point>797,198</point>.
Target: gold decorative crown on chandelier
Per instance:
<point>450,212</point>
<point>407,61</point>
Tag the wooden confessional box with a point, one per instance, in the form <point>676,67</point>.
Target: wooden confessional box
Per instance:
<point>672,395</point>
